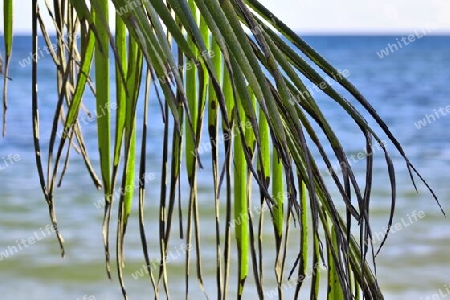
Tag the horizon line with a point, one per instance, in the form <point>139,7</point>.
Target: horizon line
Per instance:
<point>309,33</point>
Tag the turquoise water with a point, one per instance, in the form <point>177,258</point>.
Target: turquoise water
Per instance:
<point>404,87</point>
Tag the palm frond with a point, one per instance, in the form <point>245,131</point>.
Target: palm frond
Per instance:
<point>234,66</point>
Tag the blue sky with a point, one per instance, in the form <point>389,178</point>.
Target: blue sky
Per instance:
<point>327,16</point>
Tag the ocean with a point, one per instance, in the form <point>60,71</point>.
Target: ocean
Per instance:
<point>406,80</point>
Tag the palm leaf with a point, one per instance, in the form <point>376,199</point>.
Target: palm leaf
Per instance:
<point>4,66</point>
<point>237,65</point>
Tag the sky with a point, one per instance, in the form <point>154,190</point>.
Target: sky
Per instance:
<point>325,16</point>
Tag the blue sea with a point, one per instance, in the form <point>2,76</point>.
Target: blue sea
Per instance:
<point>407,84</point>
